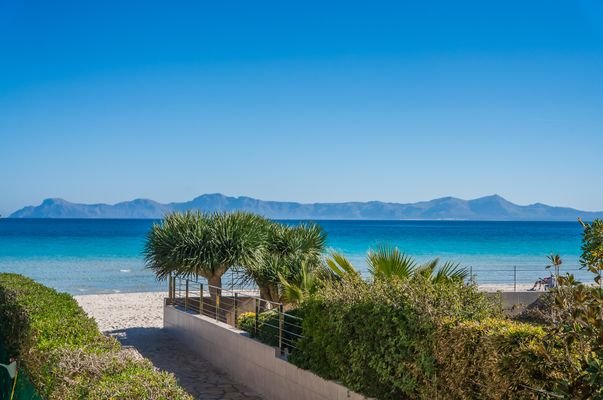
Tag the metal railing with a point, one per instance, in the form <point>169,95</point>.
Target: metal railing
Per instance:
<point>519,278</point>
<point>243,308</point>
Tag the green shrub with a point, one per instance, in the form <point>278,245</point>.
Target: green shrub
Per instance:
<point>577,323</point>
<point>423,340</point>
<point>268,327</point>
<point>246,322</point>
<point>498,359</point>
<point>379,338</point>
<point>63,352</point>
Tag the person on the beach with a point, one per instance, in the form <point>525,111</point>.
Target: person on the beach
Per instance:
<point>538,284</point>
<point>548,283</point>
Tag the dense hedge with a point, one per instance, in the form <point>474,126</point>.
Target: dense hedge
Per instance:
<point>498,359</point>
<point>64,353</point>
<point>418,340</point>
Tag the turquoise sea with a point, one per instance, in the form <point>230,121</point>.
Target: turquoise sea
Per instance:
<point>104,256</point>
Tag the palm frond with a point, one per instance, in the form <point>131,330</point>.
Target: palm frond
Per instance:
<point>450,272</point>
<point>340,266</point>
<point>389,262</point>
<point>427,269</point>
<point>296,291</point>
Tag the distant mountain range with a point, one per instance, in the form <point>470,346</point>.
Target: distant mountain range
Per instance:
<point>485,208</point>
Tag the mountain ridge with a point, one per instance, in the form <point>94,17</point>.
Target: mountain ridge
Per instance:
<point>492,207</point>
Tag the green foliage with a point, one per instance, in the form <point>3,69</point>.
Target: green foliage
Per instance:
<point>246,322</point>
<point>339,267</point>
<point>65,355</point>
<point>449,271</point>
<point>268,326</point>
<point>386,262</point>
<point>555,262</point>
<point>194,244</point>
<point>577,321</point>
<point>292,255</point>
<point>306,284</point>
<point>497,359</point>
<point>592,248</point>
<point>572,317</point>
<point>380,338</point>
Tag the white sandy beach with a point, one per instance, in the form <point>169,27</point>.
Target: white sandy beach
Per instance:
<point>497,287</point>
<point>124,310</point>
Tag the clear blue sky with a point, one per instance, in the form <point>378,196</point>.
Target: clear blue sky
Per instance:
<point>299,100</point>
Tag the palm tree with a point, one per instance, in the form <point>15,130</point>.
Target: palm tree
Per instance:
<point>555,263</point>
<point>383,262</point>
<point>195,244</point>
<point>291,252</point>
<point>388,262</point>
<point>336,267</point>
<point>306,284</point>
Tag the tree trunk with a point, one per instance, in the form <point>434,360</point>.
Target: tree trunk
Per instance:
<point>263,291</point>
<point>215,284</point>
<point>269,292</point>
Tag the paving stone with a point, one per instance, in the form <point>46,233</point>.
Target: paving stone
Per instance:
<point>195,374</point>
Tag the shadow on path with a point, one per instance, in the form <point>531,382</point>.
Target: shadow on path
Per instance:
<point>196,375</point>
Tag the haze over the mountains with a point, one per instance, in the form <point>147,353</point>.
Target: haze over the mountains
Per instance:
<point>485,208</point>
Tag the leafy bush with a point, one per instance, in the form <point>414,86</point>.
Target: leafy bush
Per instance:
<point>268,327</point>
<point>64,353</point>
<point>422,340</point>
<point>577,322</point>
<point>498,359</point>
<point>246,322</point>
<point>379,338</point>
<point>573,321</point>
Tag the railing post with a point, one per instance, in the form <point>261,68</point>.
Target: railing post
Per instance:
<point>173,279</point>
<point>281,326</point>
<point>176,289</point>
<point>217,302</point>
<point>170,298</point>
<point>257,317</point>
<point>236,299</point>
<point>201,298</point>
<point>515,278</point>
<point>174,295</point>
<point>186,297</point>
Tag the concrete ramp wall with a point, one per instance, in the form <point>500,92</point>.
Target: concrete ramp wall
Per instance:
<point>248,361</point>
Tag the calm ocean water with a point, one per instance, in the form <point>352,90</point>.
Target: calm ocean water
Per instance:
<point>104,256</point>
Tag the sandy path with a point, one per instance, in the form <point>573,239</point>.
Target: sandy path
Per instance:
<point>136,319</point>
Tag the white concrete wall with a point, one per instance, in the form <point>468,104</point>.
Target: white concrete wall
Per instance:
<point>516,299</point>
<point>248,361</point>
